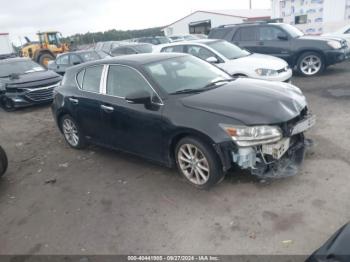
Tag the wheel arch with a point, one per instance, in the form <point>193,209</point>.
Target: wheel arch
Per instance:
<point>302,51</point>
<point>187,132</point>
<point>40,52</point>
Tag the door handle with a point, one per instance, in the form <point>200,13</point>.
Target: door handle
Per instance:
<point>108,109</point>
<point>74,100</point>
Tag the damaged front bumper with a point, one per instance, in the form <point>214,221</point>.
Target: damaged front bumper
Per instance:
<point>274,160</point>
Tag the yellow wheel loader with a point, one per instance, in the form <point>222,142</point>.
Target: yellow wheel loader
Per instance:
<point>49,45</point>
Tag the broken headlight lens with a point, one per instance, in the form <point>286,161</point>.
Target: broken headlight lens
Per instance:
<point>266,72</point>
<point>253,135</point>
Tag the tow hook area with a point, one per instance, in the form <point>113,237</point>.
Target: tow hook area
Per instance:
<point>266,165</point>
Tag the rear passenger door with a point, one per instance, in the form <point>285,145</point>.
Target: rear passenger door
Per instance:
<point>86,103</point>
<point>270,43</point>
<point>246,37</point>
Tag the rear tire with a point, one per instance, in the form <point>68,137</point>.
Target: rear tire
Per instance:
<point>71,132</point>
<point>198,163</point>
<point>3,161</point>
<point>310,64</point>
<point>45,58</point>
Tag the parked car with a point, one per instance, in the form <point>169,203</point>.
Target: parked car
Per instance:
<point>106,46</point>
<point>178,109</point>
<point>132,48</point>
<point>66,60</point>
<point>234,60</point>
<point>343,32</point>
<point>310,55</point>
<point>3,162</point>
<point>24,82</point>
<point>154,40</point>
<point>178,38</point>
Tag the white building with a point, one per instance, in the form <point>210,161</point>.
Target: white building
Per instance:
<point>200,22</point>
<point>313,16</point>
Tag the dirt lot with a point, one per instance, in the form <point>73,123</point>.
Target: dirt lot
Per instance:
<point>105,202</point>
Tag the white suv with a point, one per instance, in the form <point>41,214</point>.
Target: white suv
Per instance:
<point>231,58</point>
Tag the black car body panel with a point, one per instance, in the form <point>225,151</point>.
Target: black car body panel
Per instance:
<point>152,130</point>
<point>290,48</point>
<point>336,248</point>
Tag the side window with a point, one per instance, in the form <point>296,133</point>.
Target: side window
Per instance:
<point>63,60</point>
<point>247,34</point>
<point>173,49</point>
<point>122,80</point>
<point>268,33</point>
<point>129,51</point>
<point>119,51</point>
<point>200,52</point>
<point>75,60</point>
<point>92,78</point>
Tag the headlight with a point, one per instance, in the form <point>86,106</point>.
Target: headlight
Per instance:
<point>253,135</point>
<point>266,72</point>
<point>334,44</point>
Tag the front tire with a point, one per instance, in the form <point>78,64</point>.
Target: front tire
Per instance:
<point>198,163</point>
<point>7,104</point>
<point>3,161</point>
<point>310,64</point>
<point>71,132</point>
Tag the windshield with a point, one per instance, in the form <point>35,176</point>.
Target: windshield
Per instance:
<point>184,73</point>
<point>19,68</point>
<point>292,30</point>
<point>228,50</point>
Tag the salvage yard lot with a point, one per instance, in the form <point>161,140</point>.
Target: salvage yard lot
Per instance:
<point>56,200</point>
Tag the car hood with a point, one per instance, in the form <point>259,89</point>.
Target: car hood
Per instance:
<point>32,79</point>
<point>322,38</point>
<point>258,61</point>
<point>250,101</point>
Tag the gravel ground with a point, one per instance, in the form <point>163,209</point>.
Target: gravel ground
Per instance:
<point>56,200</point>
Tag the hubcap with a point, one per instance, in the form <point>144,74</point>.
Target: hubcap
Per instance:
<point>193,164</point>
<point>70,132</point>
<point>311,65</point>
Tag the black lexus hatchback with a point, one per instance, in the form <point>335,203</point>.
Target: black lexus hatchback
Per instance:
<point>24,82</point>
<point>176,109</point>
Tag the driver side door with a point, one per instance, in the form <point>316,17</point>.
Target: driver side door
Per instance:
<point>135,128</point>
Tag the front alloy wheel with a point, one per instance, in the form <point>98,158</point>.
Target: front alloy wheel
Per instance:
<point>198,163</point>
<point>310,64</point>
<point>71,132</point>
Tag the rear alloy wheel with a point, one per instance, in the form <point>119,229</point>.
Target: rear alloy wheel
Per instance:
<point>7,104</point>
<point>198,163</point>
<point>71,132</point>
<point>310,64</point>
<point>3,161</point>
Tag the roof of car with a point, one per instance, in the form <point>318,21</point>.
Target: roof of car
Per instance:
<point>135,60</point>
<point>198,41</point>
<point>131,44</point>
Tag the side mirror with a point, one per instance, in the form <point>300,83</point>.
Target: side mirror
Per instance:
<point>282,36</point>
<point>139,97</point>
<point>76,63</point>
<point>212,60</point>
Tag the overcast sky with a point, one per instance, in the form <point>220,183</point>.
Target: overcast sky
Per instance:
<point>25,18</point>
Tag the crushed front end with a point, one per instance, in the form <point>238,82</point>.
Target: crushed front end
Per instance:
<point>274,156</point>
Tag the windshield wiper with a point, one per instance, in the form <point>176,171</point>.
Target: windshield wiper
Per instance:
<point>214,83</point>
<point>186,91</point>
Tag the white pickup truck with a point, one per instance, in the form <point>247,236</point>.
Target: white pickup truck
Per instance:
<point>6,49</point>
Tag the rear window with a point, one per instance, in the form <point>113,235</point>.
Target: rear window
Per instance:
<point>245,34</point>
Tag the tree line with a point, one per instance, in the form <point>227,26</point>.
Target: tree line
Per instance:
<point>113,35</point>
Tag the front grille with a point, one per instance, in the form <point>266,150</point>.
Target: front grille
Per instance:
<point>41,94</point>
